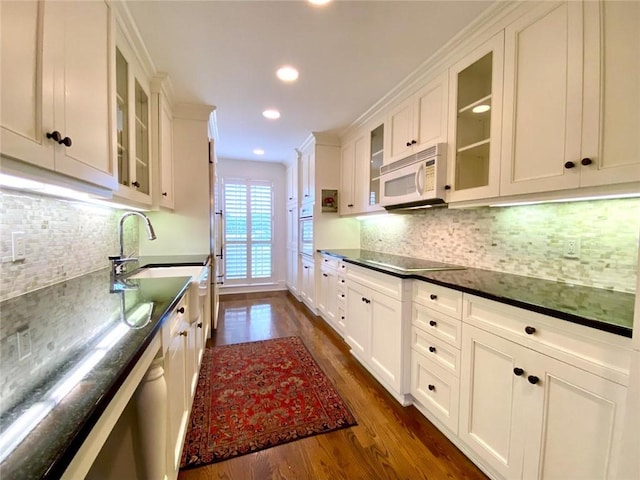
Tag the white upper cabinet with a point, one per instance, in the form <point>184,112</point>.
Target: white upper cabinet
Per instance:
<point>611,103</point>
<point>56,81</point>
<point>475,122</point>
<point>352,179</point>
<point>133,117</point>
<point>308,175</point>
<point>162,143</point>
<point>571,97</point>
<point>292,182</point>
<point>419,121</point>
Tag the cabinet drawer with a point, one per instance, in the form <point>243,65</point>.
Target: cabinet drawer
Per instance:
<point>435,389</point>
<point>380,282</point>
<point>602,353</point>
<point>437,324</point>
<point>439,298</point>
<point>328,262</point>
<point>342,267</point>
<point>441,353</point>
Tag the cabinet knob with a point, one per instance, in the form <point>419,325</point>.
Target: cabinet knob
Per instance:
<point>325,275</point>
<point>433,296</point>
<point>431,387</point>
<point>586,161</point>
<point>164,194</point>
<point>199,325</point>
<point>180,310</point>
<point>350,205</point>
<point>569,165</point>
<point>432,349</point>
<point>55,135</point>
<point>433,323</point>
<point>533,379</point>
<point>290,198</point>
<point>413,142</point>
<point>306,195</point>
<point>341,317</point>
<point>342,295</point>
<point>530,330</point>
<point>408,144</point>
<point>66,141</point>
<point>136,184</point>
<point>183,333</point>
<point>518,371</point>
<point>447,187</point>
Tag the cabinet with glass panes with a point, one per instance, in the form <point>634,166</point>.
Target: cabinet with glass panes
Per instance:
<point>132,123</point>
<point>475,123</point>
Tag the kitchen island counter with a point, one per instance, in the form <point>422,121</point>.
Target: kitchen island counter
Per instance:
<point>67,349</point>
<point>602,309</point>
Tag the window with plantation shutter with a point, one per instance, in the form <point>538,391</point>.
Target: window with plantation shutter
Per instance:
<point>248,237</point>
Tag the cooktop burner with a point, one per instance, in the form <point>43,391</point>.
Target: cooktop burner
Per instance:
<point>404,264</point>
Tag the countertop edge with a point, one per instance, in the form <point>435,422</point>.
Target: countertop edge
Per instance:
<point>578,319</point>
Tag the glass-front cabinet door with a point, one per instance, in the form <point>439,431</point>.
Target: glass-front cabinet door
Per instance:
<point>133,127</point>
<point>475,123</point>
<point>376,138</point>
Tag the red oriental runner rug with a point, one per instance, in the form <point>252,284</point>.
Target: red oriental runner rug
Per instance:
<point>257,395</point>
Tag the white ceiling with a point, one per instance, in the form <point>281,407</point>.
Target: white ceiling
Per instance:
<point>349,53</point>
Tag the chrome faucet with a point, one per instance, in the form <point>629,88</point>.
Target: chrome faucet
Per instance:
<point>118,261</point>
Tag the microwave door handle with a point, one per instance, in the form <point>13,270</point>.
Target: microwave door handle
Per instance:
<point>419,180</point>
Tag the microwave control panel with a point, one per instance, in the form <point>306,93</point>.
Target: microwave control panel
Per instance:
<point>429,176</point>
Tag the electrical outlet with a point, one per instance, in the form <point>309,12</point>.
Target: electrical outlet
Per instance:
<point>17,246</point>
<point>572,247</point>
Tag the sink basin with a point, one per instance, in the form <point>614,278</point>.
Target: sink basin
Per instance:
<point>164,272</point>
<point>197,285</point>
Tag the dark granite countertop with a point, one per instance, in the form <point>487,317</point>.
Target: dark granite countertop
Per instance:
<point>594,307</point>
<point>66,350</point>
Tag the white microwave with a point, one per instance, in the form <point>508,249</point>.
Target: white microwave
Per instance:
<point>416,180</point>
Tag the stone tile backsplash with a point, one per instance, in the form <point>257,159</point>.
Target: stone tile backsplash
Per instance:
<point>64,239</point>
<point>523,240</point>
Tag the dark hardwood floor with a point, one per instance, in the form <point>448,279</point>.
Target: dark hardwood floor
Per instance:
<point>389,442</point>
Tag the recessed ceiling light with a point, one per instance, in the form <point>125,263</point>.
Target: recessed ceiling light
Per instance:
<point>319,2</point>
<point>287,73</point>
<point>271,114</point>
<point>481,108</point>
<point>258,151</point>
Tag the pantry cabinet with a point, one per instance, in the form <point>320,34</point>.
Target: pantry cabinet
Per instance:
<point>571,91</point>
<point>308,282</point>
<point>418,122</point>
<point>57,87</point>
<point>475,122</point>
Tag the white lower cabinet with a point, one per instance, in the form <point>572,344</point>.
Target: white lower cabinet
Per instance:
<point>328,292</point>
<point>528,415</point>
<point>435,352</point>
<point>377,329</point>
<point>308,282</point>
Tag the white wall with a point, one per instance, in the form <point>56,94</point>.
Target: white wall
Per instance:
<point>276,173</point>
<point>185,230</point>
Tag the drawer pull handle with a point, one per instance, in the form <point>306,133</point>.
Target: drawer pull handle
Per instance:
<point>533,379</point>
<point>433,296</point>
<point>325,275</point>
<point>433,323</point>
<point>530,330</point>
<point>518,371</point>
<point>431,387</point>
<point>432,349</point>
<point>180,310</point>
